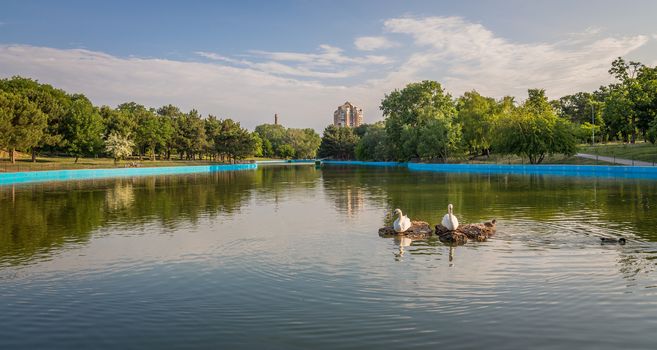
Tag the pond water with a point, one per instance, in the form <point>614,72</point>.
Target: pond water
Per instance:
<point>289,257</point>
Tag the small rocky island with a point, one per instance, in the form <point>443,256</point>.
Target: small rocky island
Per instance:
<point>477,232</point>
<point>418,230</point>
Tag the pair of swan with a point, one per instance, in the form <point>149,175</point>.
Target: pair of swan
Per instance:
<point>403,223</point>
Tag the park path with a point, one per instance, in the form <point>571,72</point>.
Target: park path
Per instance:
<point>614,160</point>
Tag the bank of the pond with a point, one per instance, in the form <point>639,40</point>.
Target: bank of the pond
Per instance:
<point>567,170</point>
<point>84,174</point>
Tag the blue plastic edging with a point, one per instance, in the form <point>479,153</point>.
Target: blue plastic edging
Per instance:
<point>83,174</point>
<point>566,170</point>
<point>362,163</point>
<point>644,172</point>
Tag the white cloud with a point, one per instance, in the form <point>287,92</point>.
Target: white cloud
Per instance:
<point>371,43</point>
<point>305,88</point>
<point>329,63</point>
<point>245,94</point>
<point>470,56</point>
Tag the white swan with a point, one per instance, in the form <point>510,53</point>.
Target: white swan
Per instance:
<point>402,223</point>
<point>449,220</point>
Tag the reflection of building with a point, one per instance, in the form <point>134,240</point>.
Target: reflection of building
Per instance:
<point>353,200</point>
<point>348,115</point>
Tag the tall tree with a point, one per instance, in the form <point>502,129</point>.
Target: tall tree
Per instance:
<point>476,115</point>
<point>236,142</point>
<point>304,142</point>
<point>534,131</point>
<point>338,142</point>
<point>54,103</point>
<point>374,144</point>
<point>118,121</point>
<point>82,128</point>
<point>410,108</point>
<point>21,123</point>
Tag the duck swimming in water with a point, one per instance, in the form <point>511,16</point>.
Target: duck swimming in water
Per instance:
<point>620,241</point>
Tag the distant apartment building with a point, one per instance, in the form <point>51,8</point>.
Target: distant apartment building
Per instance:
<point>348,115</point>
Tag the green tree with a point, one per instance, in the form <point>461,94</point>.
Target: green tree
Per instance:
<point>273,136</point>
<point>117,122</point>
<point>408,109</point>
<point>476,115</point>
<point>82,128</point>
<point>236,142</point>
<point>534,131</point>
<point>338,142</point>
<point>174,117</point>
<point>54,103</point>
<point>304,142</point>
<point>21,123</point>
<point>651,135</point>
<point>437,138</point>
<point>373,146</point>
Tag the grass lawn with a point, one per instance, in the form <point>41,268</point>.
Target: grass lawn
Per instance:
<point>555,159</point>
<point>24,163</point>
<point>646,152</point>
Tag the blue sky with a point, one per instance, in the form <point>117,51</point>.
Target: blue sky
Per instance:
<point>250,59</point>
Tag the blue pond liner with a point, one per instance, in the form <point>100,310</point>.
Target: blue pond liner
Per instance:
<point>84,174</point>
<point>643,172</point>
<point>361,163</point>
<point>634,172</point>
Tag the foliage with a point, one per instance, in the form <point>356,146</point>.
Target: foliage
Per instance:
<point>304,142</point>
<point>21,123</point>
<point>373,145</point>
<point>408,110</point>
<point>476,115</point>
<point>279,142</point>
<point>338,143</point>
<point>236,142</point>
<point>54,103</point>
<point>534,131</point>
<point>437,138</point>
<point>119,146</point>
<point>652,132</point>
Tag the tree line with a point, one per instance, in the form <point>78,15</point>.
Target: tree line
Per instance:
<point>423,122</point>
<point>39,118</point>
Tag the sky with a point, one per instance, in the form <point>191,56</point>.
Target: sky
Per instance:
<point>247,60</point>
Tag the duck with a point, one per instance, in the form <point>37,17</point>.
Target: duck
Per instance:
<point>402,223</point>
<point>620,241</point>
<point>449,220</point>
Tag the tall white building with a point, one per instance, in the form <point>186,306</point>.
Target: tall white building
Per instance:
<point>348,115</point>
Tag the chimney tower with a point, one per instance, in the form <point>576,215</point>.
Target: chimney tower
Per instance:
<point>276,119</point>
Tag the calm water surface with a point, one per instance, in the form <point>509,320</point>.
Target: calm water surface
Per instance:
<point>289,257</point>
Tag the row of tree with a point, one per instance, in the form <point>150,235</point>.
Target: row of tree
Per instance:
<point>424,122</point>
<point>38,118</point>
<point>281,142</point>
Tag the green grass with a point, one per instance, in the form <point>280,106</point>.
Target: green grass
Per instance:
<point>646,152</point>
<point>555,159</point>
